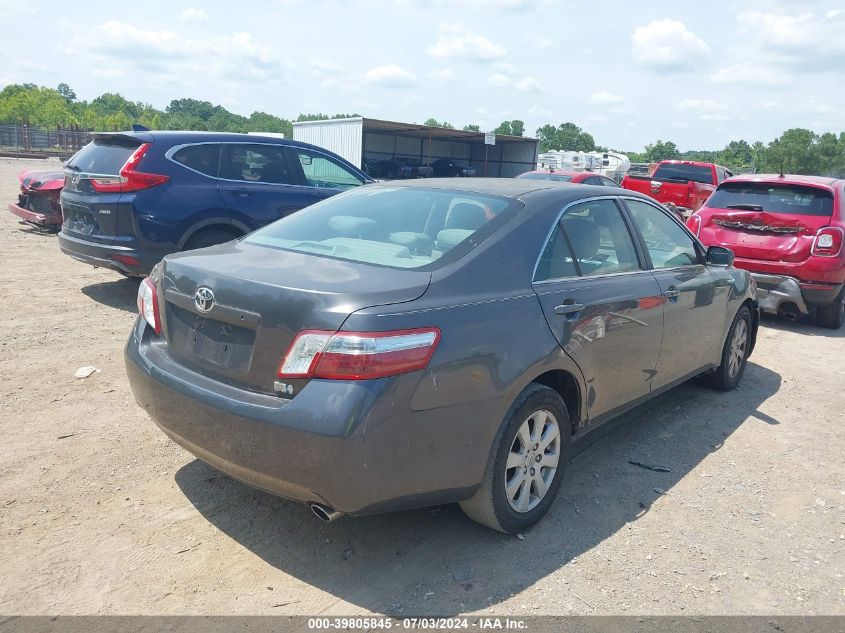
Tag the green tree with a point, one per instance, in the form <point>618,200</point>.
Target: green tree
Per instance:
<point>565,137</point>
<point>67,92</point>
<point>436,123</point>
<point>472,127</point>
<point>511,128</point>
<point>737,154</point>
<point>661,150</point>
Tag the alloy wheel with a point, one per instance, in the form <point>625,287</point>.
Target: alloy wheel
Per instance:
<point>532,461</point>
<point>737,351</point>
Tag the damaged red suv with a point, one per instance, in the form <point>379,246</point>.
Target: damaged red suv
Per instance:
<point>38,200</point>
<point>787,231</point>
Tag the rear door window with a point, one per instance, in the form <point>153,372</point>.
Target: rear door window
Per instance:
<point>668,243</point>
<point>105,155</point>
<point>323,171</point>
<point>599,238</point>
<point>203,157</point>
<point>556,261</point>
<point>254,162</point>
<point>772,198</point>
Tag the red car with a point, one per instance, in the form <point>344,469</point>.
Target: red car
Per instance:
<point>38,200</point>
<point>683,184</point>
<point>788,232</point>
<point>583,177</point>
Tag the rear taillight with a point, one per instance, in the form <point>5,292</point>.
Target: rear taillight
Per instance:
<point>129,179</point>
<point>148,304</point>
<point>694,224</point>
<point>358,355</point>
<point>828,241</point>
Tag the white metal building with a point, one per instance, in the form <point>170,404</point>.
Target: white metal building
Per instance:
<point>360,140</point>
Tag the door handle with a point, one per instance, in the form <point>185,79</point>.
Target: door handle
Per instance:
<point>243,193</point>
<point>672,293</point>
<point>569,308</point>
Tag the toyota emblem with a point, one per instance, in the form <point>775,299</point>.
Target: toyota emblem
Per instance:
<point>203,299</point>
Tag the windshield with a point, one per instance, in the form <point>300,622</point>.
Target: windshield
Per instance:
<point>401,227</point>
<point>772,198</point>
<point>533,175</point>
<point>696,173</point>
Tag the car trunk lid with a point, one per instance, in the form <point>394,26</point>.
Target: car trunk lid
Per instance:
<point>262,298</point>
<point>767,221</point>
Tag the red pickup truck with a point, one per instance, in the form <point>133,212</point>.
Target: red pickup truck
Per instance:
<point>788,232</point>
<point>684,184</point>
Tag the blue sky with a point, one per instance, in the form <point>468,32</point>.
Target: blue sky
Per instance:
<point>700,74</point>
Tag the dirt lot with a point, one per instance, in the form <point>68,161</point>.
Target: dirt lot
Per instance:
<point>101,513</point>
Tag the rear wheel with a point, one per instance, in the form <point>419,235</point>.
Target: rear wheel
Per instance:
<point>832,316</point>
<point>208,237</point>
<point>734,353</point>
<point>527,463</point>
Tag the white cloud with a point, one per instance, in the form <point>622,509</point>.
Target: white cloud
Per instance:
<point>526,84</point>
<point>389,76</point>
<point>805,41</point>
<point>443,74</point>
<point>706,109</point>
<point>667,45</point>
<point>456,41</point>
<point>750,73</point>
<point>544,43</point>
<point>604,98</point>
<point>193,14</point>
<point>236,57</point>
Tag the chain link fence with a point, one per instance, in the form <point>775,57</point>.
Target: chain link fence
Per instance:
<point>23,141</point>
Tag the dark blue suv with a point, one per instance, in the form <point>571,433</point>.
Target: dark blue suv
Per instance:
<point>130,198</point>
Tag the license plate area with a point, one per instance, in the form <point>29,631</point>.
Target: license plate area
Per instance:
<point>79,220</point>
<point>209,343</point>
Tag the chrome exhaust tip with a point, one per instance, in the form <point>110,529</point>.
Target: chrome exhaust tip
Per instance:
<point>324,513</point>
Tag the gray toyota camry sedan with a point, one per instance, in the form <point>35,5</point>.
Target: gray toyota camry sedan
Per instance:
<point>432,341</point>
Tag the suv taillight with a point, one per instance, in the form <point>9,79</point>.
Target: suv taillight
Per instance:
<point>828,241</point>
<point>694,224</point>
<point>358,355</point>
<point>148,304</point>
<point>129,179</point>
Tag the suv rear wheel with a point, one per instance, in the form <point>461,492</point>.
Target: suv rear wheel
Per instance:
<point>208,237</point>
<point>833,315</point>
<point>527,463</point>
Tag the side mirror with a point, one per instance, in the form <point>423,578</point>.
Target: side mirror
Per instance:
<point>720,256</point>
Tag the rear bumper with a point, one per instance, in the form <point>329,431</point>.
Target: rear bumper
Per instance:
<point>775,291</point>
<point>103,255</point>
<point>53,220</point>
<point>354,446</point>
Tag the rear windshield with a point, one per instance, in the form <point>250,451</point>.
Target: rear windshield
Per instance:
<point>400,227</point>
<point>531,175</point>
<point>773,198</point>
<point>696,173</point>
<point>103,156</point>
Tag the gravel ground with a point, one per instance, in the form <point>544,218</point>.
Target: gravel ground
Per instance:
<point>101,514</point>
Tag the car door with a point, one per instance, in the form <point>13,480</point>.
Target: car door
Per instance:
<point>695,297</point>
<point>322,175</point>
<point>258,183</point>
<point>601,303</point>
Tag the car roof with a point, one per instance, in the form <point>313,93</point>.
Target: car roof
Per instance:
<point>509,187</point>
<point>791,179</point>
<point>175,136</point>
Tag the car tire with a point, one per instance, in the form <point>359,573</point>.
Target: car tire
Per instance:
<point>492,505</point>
<point>208,237</point>
<point>832,316</point>
<point>735,352</point>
